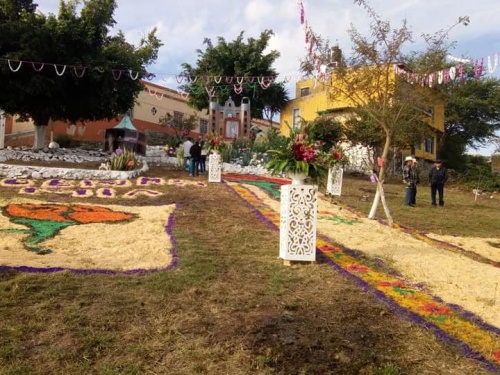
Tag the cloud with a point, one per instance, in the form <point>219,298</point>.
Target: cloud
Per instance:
<point>182,26</point>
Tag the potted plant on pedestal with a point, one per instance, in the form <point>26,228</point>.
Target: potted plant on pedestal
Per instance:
<point>335,160</point>
<point>213,145</point>
<point>299,157</point>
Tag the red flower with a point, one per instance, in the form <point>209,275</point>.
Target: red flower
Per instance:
<point>330,249</point>
<point>396,283</point>
<point>435,309</point>
<point>357,268</point>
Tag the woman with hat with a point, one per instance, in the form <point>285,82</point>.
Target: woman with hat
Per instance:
<point>437,178</point>
<point>410,179</point>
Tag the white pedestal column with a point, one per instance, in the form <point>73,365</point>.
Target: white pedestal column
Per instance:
<point>334,182</point>
<point>214,167</point>
<point>2,130</point>
<point>298,218</point>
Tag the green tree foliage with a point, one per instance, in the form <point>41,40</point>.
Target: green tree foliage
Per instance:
<point>326,129</point>
<point>235,59</point>
<point>472,116</point>
<point>95,91</point>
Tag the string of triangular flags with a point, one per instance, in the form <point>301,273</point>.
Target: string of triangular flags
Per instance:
<point>212,91</point>
<point>456,72</point>
<point>79,71</point>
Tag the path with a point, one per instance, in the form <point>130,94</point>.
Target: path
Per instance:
<point>442,286</point>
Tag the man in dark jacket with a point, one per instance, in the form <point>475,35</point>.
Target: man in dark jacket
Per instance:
<point>437,178</point>
<point>195,152</point>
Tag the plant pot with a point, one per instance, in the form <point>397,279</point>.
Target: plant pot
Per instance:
<point>297,178</point>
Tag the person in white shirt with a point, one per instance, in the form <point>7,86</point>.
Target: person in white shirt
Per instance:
<point>186,147</point>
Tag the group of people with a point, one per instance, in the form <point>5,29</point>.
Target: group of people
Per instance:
<point>195,156</point>
<point>438,176</point>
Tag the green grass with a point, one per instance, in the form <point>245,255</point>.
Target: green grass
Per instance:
<point>461,215</point>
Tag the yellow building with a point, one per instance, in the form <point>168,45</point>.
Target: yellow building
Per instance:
<point>312,99</point>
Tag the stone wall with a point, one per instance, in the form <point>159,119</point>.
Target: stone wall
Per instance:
<point>72,156</point>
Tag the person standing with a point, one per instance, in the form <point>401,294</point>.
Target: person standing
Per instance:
<point>186,147</point>
<point>203,159</point>
<point>410,181</point>
<point>437,178</point>
<point>417,181</point>
<point>195,153</point>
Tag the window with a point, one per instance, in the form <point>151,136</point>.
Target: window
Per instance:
<point>429,145</point>
<point>417,146</point>
<point>203,126</point>
<point>178,116</point>
<point>296,118</point>
<point>305,91</point>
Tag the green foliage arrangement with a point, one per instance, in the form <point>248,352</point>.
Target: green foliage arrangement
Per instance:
<point>123,160</point>
<point>300,153</point>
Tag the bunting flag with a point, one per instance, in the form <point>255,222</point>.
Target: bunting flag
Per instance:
<point>451,74</point>
<point>78,70</point>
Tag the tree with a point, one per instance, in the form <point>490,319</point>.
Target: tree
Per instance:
<point>387,108</point>
<point>472,117</point>
<point>180,126</point>
<point>276,98</point>
<point>67,67</point>
<point>368,83</point>
<point>326,129</point>
<point>236,69</point>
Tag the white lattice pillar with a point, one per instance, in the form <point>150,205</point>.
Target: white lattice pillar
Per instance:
<point>334,182</point>
<point>298,217</point>
<point>2,129</point>
<point>214,167</point>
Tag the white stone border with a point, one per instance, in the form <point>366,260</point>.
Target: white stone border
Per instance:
<point>38,173</point>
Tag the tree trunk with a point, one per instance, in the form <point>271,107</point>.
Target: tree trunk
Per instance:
<point>380,188</point>
<point>40,132</point>
<point>41,121</point>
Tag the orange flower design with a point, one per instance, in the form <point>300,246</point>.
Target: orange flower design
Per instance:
<point>45,220</point>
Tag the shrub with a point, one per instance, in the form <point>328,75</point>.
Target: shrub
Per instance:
<point>66,141</point>
<point>261,143</point>
<point>123,160</point>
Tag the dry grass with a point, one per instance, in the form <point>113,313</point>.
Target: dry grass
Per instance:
<point>230,307</point>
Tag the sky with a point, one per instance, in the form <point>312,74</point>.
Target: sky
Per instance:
<point>183,25</point>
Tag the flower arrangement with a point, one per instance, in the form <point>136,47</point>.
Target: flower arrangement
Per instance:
<point>170,150</point>
<point>299,154</point>
<point>214,143</point>
<point>123,160</point>
<point>335,156</point>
